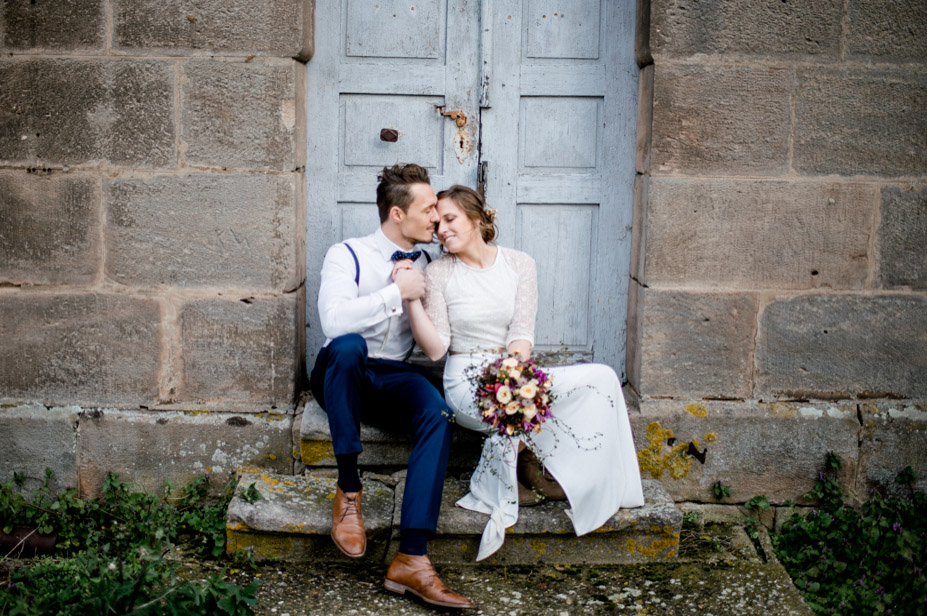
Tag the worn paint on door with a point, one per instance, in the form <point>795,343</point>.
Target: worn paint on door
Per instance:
<point>555,134</point>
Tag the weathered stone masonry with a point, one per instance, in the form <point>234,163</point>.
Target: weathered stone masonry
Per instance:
<point>152,240</point>
<point>778,255</point>
<point>152,243</point>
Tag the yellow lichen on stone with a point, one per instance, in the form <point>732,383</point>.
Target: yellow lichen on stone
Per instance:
<point>269,416</point>
<point>782,409</point>
<point>538,546</point>
<point>272,456</point>
<point>314,451</point>
<point>697,408</point>
<point>658,457</point>
<point>710,437</point>
<point>665,544</point>
<point>195,412</point>
<point>265,546</point>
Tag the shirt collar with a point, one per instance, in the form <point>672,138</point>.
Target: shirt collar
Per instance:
<point>384,245</point>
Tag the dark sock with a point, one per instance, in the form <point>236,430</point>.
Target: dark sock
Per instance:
<point>413,541</point>
<point>348,477</point>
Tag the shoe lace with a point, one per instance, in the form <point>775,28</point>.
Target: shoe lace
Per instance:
<point>350,507</point>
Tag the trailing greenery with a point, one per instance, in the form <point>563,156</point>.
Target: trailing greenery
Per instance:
<point>92,584</point>
<point>720,490</point>
<point>869,560</point>
<point>109,555</point>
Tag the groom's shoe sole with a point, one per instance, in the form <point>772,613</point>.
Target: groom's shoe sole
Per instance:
<point>401,589</point>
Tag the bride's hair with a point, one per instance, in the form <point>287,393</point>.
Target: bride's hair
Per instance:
<point>471,202</point>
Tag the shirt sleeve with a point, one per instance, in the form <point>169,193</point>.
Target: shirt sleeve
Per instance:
<point>526,299</point>
<point>342,310</point>
<point>436,277</point>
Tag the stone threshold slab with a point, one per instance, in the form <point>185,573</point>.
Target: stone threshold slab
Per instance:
<point>293,522</point>
<point>382,447</point>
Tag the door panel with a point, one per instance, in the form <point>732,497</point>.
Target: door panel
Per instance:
<point>555,132</point>
<point>562,175</point>
<point>383,64</point>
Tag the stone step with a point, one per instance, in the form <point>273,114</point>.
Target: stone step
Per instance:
<point>384,449</point>
<point>293,522</point>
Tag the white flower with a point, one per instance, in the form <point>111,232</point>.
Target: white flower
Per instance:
<point>510,430</point>
<point>529,412</point>
<point>511,408</point>
<point>515,374</point>
<point>510,362</point>
<point>504,394</point>
<point>528,390</point>
<point>112,566</point>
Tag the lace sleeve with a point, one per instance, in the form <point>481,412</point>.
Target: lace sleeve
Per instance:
<point>526,298</point>
<point>436,277</point>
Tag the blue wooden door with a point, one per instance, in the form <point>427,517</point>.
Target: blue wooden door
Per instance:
<point>548,91</point>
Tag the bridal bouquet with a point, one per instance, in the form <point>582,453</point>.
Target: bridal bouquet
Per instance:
<point>513,395</point>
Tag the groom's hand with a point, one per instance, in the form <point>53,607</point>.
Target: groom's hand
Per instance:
<point>411,282</point>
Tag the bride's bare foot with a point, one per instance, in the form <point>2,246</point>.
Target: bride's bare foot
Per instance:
<point>532,473</point>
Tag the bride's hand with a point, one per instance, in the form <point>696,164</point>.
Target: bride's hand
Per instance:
<point>402,264</point>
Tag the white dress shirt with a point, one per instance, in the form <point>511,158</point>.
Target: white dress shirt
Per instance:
<point>372,307</point>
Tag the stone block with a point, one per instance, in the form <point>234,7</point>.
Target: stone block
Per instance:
<point>244,115</point>
<point>902,237</point>
<point>204,231</point>
<point>293,519</point>
<point>693,344</point>
<point>754,448</point>
<point>384,447</point>
<point>33,438</point>
<point>887,31</point>
<point>843,346</point>
<point>544,533</point>
<point>241,353</point>
<point>266,27</point>
<point>69,111</point>
<point>714,513</point>
<point>801,28</point>
<point>148,447</point>
<point>860,122</point>
<point>729,119</point>
<point>80,348</point>
<point>49,228</point>
<point>58,25</point>
<point>758,234</point>
<point>894,436</point>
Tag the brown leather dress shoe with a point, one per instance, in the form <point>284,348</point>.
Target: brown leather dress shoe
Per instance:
<point>348,524</point>
<point>416,575</point>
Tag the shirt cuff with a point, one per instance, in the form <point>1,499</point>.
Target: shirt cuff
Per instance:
<point>392,300</point>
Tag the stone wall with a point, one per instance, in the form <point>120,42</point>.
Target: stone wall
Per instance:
<point>152,236</point>
<point>779,232</point>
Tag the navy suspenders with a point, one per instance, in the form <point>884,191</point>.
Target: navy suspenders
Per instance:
<point>357,263</point>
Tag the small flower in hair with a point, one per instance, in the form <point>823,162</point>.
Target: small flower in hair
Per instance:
<point>491,213</point>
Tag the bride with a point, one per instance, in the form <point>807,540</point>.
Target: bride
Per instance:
<point>480,302</point>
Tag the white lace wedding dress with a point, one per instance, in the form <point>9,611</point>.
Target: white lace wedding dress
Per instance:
<point>587,446</point>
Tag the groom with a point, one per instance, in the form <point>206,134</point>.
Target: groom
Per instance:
<point>361,374</point>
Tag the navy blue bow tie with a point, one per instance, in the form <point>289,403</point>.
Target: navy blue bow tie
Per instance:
<point>399,255</point>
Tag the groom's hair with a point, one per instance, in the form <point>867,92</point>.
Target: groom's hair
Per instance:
<point>393,189</point>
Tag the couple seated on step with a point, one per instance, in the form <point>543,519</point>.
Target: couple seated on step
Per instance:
<point>381,294</point>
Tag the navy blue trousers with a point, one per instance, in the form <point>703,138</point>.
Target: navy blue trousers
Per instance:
<point>352,387</point>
